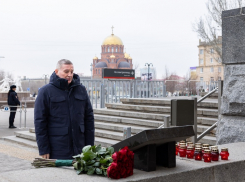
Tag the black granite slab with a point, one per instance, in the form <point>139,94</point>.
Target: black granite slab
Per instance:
<point>233,36</point>
<point>155,147</point>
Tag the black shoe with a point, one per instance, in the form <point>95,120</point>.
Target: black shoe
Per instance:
<point>12,126</point>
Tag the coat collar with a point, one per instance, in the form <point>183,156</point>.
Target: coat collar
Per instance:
<point>63,83</point>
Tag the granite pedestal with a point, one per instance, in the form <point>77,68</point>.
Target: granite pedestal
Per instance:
<point>155,147</point>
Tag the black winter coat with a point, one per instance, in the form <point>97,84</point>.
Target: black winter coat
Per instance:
<point>63,118</point>
<point>13,99</point>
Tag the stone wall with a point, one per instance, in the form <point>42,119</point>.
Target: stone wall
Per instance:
<point>231,125</point>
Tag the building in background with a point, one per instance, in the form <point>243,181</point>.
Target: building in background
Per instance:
<point>210,67</point>
<point>112,56</point>
<point>144,73</point>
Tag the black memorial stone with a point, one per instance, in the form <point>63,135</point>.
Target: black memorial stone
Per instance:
<point>233,36</point>
<point>155,147</point>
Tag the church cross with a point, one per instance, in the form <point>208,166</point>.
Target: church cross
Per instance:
<point>112,29</point>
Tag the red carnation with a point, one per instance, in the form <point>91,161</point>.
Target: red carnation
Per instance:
<point>113,172</point>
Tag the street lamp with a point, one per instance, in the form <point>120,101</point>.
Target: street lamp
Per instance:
<point>148,64</point>
<point>91,69</point>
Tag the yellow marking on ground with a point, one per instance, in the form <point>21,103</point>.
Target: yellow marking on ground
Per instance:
<point>18,152</point>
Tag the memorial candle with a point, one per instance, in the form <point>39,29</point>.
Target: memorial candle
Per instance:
<point>176,149</point>
<point>204,148</point>
<point>224,154</point>
<point>198,154</point>
<point>207,156</point>
<point>182,151</point>
<point>190,152</point>
<point>189,143</point>
<point>215,154</point>
<point>205,145</point>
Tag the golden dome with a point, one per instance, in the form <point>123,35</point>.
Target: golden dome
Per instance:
<point>95,57</point>
<point>129,57</point>
<point>112,40</point>
<point>112,56</point>
<point>126,55</point>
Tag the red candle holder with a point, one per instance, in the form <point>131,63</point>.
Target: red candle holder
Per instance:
<point>190,152</point>
<point>198,154</point>
<point>207,156</point>
<point>215,154</point>
<point>176,149</point>
<point>203,149</point>
<point>189,143</point>
<point>182,151</point>
<point>224,154</point>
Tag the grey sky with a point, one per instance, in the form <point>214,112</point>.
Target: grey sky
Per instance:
<point>35,34</point>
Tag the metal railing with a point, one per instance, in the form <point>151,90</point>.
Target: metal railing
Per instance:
<point>111,91</point>
<point>197,138</point>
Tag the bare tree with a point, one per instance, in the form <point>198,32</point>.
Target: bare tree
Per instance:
<point>136,68</point>
<point>209,26</point>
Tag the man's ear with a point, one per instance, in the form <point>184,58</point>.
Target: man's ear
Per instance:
<point>56,71</point>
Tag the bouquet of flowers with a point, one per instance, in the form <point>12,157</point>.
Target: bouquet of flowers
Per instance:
<point>96,160</point>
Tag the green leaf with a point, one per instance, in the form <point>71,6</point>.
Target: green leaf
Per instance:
<point>103,161</point>
<point>77,165</point>
<point>77,156</point>
<point>111,150</point>
<point>93,148</point>
<point>108,156</point>
<point>105,172</point>
<point>98,171</point>
<point>96,164</point>
<point>91,171</point>
<point>97,159</point>
<point>79,171</point>
<point>90,162</point>
<point>89,155</point>
<point>86,148</point>
<point>97,149</point>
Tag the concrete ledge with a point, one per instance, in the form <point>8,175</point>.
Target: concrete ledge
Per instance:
<point>186,170</point>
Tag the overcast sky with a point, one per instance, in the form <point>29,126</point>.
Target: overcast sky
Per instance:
<point>35,34</point>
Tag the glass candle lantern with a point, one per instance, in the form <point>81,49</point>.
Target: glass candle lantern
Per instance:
<point>213,147</point>
<point>198,154</point>
<point>182,142</point>
<point>176,149</point>
<point>224,154</point>
<point>215,154</point>
<point>182,151</point>
<point>190,152</point>
<point>198,145</point>
<point>204,148</point>
<point>205,145</point>
<point>189,143</point>
<point>207,156</point>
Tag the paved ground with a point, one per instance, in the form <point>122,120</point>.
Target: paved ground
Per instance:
<point>4,122</point>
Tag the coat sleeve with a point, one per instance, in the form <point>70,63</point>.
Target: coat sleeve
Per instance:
<point>41,112</point>
<point>89,122</point>
<point>14,98</point>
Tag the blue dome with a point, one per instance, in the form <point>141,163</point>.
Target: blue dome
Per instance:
<point>101,65</point>
<point>124,65</point>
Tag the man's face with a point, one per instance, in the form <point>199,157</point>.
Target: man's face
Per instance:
<point>66,72</point>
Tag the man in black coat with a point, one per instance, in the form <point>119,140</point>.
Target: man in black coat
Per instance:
<point>63,115</point>
<point>12,101</point>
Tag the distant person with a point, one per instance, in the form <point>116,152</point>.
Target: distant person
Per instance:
<point>12,101</point>
<point>63,115</point>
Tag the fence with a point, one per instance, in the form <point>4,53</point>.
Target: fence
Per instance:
<point>111,91</point>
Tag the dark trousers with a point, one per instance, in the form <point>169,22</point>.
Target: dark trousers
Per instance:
<point>12,115</point>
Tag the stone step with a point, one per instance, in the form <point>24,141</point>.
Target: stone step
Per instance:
<point>21,141</point>
<point>29,138</point>
<point>211,140</point>
<point>213,103</point>
<point>139,108</point>
<point>134,121</point>
<point>109,134</point>
<point>157,109</point>
<point>206,121</point>
<point>122,113</point>
<point>202,128</point>
<point>119,127</point>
